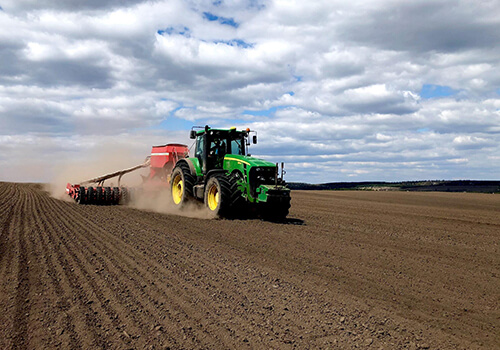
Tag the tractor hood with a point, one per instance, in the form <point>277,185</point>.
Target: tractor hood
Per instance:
<point>249,161</point>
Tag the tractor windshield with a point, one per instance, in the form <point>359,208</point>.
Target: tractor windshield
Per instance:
<point>222,143</point>
<point>237,147</point>
<point>228,144</point>
<point>212,146</point>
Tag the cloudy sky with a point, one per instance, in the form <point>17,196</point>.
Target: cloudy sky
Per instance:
<point>354,90</point>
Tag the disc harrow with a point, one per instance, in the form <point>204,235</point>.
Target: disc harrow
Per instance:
<point>160,163</point>
<point>101,195</point>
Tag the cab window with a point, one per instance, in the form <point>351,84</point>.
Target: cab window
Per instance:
<point>199,147</point>
<point>236,147</point>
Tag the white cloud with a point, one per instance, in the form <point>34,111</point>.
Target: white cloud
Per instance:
<point>341,81</point>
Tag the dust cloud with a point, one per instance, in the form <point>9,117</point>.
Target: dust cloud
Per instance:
<point>160,200</point>
<point>149,196</point>
<point>103,161</point>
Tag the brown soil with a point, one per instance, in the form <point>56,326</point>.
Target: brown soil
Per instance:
<point>388,270</point>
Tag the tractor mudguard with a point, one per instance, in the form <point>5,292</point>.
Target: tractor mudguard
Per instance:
<point>215,171</point>
<point>193,168</point>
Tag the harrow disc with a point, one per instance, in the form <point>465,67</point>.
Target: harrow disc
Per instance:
<point>99,195</point>
<point>82,196</point>
<point>116,195</point>
<point>125,197</point>
<point>107,195</point>
<point>91,195</point>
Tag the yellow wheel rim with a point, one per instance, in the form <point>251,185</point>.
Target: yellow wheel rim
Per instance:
<point>213,197</point>
<point>177,189</point>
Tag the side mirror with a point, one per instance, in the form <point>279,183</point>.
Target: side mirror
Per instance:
<point>192,134</point>
<point>254,139</point>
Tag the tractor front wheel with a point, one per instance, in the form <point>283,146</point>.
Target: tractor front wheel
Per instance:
<point>218,195</point>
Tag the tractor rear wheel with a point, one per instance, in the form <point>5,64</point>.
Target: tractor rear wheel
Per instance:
<point>181,185</point>
<point>218,195</point>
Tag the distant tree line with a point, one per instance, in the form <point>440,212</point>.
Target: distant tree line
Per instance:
<point>425,185</point>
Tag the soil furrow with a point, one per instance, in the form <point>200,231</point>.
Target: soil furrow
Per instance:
<point>7,209</point>
<point>118,281</point>
<point>239,315</point>
<point>4,233</point>
<point>124,276</point>
<point>195,281</point>
<point>8,272</point>
<point>79,286</point>
<point>21,301</point>
<point>224,299</point>
<point>364,270</point>
<point>60,325</point>
<point>100,316</point>
<point>37,314</point>
<point>7,198</point>
<point>141,277</point>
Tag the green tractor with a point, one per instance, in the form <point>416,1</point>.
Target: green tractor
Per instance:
<point>227,179</point>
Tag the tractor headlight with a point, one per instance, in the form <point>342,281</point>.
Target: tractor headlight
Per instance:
<point>259,175</point>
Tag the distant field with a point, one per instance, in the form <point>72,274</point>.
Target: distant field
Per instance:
<point>429,186</point>
<point>351,269</point>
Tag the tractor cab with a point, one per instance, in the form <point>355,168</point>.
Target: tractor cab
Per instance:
<point>212,145</point>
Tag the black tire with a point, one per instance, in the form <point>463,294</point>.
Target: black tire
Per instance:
<point>124,198</point>
<point>219,198</point>
<point>90,195</point>
<point>82,196</point>
<point>237,202</point>
<point>108,197</point>
<point>181,185</point>
<point>116,195</point>
<point>99,196</point>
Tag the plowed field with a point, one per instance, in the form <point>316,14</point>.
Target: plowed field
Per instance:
<point>388,270</point>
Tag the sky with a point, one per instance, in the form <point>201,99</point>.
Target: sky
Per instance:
<point>354,90</point>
